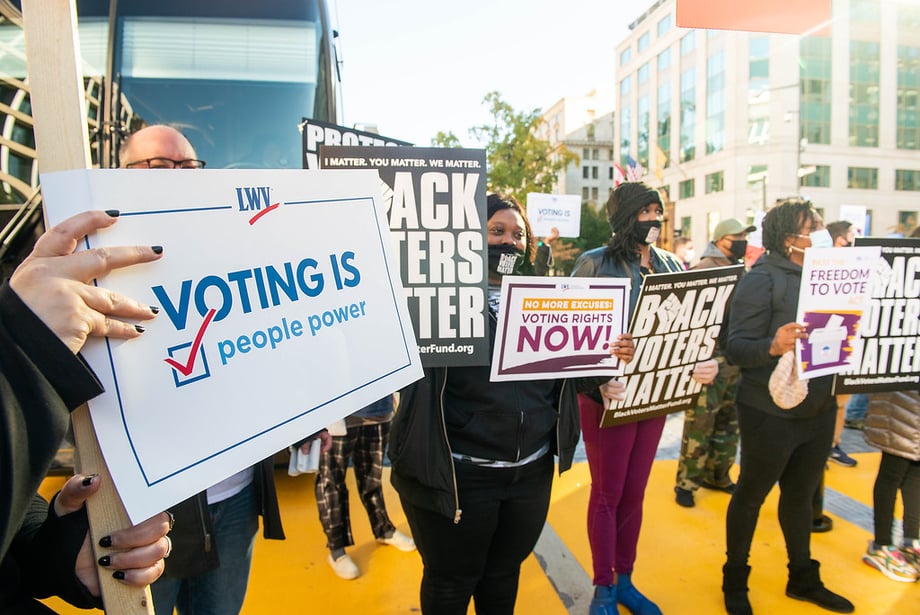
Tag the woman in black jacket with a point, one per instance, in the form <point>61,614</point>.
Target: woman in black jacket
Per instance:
<point>473,459</point>
<point>777,445</point>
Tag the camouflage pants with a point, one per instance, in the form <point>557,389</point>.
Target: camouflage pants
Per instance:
<point>710,440</point>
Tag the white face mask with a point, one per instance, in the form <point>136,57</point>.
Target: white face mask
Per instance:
<point>821,239</point>
<point>689,255</point>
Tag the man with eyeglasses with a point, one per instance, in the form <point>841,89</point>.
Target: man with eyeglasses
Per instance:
<point>214,531</point>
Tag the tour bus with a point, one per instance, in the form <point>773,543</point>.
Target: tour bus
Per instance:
<point>237,77</point>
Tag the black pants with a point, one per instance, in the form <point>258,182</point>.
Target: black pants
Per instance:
<point>788,450</point>
<point>896,473</point>
<point>503,513</point>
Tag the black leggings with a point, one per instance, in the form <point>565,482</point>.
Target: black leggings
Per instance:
<point>504,510</point>
<point>792,451</point>
<point>896,473</point>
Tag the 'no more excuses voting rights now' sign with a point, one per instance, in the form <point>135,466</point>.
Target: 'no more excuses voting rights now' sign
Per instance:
<point>435,201</point>
<point>559,327</point>
<point>886,351</point>
<point>833,296</point>
<point>675,325</point>
<point>278,315</point>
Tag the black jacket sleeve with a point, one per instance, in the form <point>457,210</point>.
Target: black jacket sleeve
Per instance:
<point>41,380</point>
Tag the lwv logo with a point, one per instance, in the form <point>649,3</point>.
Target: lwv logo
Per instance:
<point>253,198</point>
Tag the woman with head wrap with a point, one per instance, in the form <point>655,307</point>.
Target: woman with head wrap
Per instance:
<point>620,458</point>
<point>473,459</point>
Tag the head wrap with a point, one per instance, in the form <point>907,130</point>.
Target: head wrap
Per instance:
<point>626,201</point>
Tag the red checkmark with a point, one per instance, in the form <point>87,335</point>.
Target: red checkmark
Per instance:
<point>253,219</point>
<point>187,368</point>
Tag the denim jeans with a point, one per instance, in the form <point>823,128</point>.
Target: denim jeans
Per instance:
<point>856,406</point>
<point>221,591</point>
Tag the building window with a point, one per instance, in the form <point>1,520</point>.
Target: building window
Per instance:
<point>820,178</point>
<point>664,60</point>
<point>644,124</point>
<point>664,117</point>
<point>643,73</point>
<point>584,193</point>
<point>865,178</point>
<point>625,87</point>
<point>688,43</point>
<point>905,179</point>
<point>625,134</point>
<point>595,154</point>
<point>586,154</point>
<point>625,56</point>
<point>815,95</point>
<point>758,90</point>
<point>594,172</point>
<point>686,226</point>
<point>610,173</point>
<point>715,103</point>
<point>686,190</point>
<point>715,182</point>
<point>664,25</point>
<point>590,134</point>
<point>644,42</point>
<point>687,115</point>
<point>908,112</point>
<point>593,193</point>
<point>864,93</point>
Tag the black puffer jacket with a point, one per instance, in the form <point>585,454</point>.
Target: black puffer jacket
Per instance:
<point>460,407</point>
<point>767,298</point>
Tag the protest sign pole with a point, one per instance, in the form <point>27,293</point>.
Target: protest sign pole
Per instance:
<point>59,112</point>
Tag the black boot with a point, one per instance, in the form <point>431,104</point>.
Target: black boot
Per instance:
<point>805,584</point>
<point>734,586</point>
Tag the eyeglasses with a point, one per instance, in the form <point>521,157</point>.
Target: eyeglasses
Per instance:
<point>166,163</point>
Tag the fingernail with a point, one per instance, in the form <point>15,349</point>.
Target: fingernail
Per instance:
<point>105,560</point>
<point>157,249</point>
<point>119,574</point>
<point>139,328</point>
<point>112,213</point>
<point>105,541</point>
<point>154,309</point>
<point>88,480</point>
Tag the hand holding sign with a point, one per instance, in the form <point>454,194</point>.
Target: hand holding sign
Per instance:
<point>55,282</point>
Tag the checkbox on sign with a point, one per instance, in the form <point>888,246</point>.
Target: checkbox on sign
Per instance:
<point>186,368</point>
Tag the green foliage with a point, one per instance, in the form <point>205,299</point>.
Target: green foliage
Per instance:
<point>445,139</point>
<point>519,162</point>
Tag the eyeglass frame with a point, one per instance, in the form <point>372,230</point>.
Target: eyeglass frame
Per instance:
<point>176,164</point>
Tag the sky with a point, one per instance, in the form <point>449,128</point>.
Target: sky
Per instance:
<point>416,67</point>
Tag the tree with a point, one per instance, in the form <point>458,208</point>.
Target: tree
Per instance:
<point>594,232</point>
<point>445,139</point>
<point>518,160</point>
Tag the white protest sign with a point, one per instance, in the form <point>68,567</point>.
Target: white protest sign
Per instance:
<point>278,315</point>
<point>835,293</point>
<point>548,211</point>
<point>559,328</point>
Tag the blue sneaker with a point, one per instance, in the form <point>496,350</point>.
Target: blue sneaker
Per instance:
<point>632,599</point>
<point>604,601</point>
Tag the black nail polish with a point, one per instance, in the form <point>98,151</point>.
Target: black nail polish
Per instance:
<point>154,309</point>
<point>119,574</point>
<point>112,213</point>
<point>88,480</point>
<point>105,541</point>
<point>105,560</point>
<point>157,249</point>
<point>139,328</point>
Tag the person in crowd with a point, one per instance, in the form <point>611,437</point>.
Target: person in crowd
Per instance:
<point>893,425</point>
<point>683,250</point>
<point>363,444</point>
<point>710,440</point>
<point>544,260</point>
<point>47,312</point>
<point>777,445</point>
<point>620,458</point>
<point>472,459</point>
<point>842,233</point>
<point>215,529</point>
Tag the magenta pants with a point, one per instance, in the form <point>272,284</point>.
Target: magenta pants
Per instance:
<point>620,459</point>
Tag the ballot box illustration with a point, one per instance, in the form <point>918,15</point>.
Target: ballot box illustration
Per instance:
<point>826,342</point>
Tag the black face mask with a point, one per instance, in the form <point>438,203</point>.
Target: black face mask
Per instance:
<point>505,259</point>
<point>738,248</point>
<point>648,231</point>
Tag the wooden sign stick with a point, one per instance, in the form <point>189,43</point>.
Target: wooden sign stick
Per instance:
<point>59,111</point>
